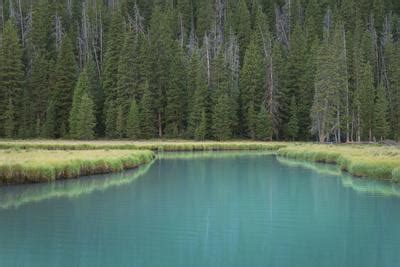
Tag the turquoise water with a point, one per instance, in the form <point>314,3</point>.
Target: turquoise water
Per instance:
<point>210,210</point>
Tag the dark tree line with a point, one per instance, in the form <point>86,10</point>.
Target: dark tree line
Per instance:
<point>325,70</point>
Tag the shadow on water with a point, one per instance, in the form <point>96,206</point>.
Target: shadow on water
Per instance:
<point>18,195</point>
<point>360,185</point>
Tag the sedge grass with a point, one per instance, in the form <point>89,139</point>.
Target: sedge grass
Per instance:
<point>30,166</point>
<point>380,162</point>
<point>156,145</point>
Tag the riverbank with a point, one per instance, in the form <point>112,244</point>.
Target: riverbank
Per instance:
<point>91,157</point>
<point>33,166</point>
<point>373,161</point>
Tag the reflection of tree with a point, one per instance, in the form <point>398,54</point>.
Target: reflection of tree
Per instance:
<point>15,196</point>
<point>357,184</point>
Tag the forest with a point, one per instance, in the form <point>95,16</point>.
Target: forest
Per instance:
<point>308,70</point>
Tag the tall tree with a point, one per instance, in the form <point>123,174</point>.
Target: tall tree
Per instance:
<point>133,130</point>
<point>381,124</point>
<point>64,78</point>
<point>11,81</point>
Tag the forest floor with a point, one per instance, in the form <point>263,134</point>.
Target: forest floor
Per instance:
<point>24,161</point>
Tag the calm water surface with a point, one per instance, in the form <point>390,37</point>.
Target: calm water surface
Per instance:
<point>209,210</point>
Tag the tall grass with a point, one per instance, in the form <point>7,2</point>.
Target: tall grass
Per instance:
<point>31,166</point>
<point>378,162</point>
<point>149,145</point>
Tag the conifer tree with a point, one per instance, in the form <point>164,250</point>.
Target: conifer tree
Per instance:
<point>381,125</point>
<point>201,130</point>
<point>176,93</point>
<point>222,122</point>
<point>82,87</point>
<point>64,83</point>
<point>366,92</point>
<point>148,120</point>
<point>133,121</point>
<point>252,81</point>
<point>110,72</point>
<point>86,120</point>
<point>11,81</point>
<point>293,124</point>
<point>48,129</point>
<point>263,125</point>
<point>198,125</point>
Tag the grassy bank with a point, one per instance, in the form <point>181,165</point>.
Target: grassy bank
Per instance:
<point>380,162</point>
<point>148,145</point>
<point>30,166</point>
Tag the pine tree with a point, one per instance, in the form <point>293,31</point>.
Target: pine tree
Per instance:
<point>366,92</point>
<point>11,81</point>
<point>293,124</point>
<point>110,72</point>
<point>242,25</point>
<point>133,121</point>
<point>252,81</point>
<point>82,87</point>
<point>201,130</point>
<point>49,127</point>
<point>222,122</point>
<point>148,120</point>
<point>64,83</point>
<point>86,120</point>
<point>176,93</point>
<point>263,125</point>
<point>198,126</point>
<point>381,125</point>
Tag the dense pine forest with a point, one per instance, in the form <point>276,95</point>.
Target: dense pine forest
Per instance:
<point>326,70</point>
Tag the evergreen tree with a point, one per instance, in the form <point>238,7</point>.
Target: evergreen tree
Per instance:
<point>198,126</point>
<point>133,121</point>
<point>252,81</point>
<point>222,122</point>
<point>11,81</point>
<point>293,124</point>
<point>86,120</point>
<point>148,120</point>
<point>381,125</point>
<point>110,72</point>
<point>175,109</point>
<point>48,129</point>
<point>201,130</point>
<point>64,77</point>
<point>263,125</point>
<point>366,92</point>
<point>81,88</point>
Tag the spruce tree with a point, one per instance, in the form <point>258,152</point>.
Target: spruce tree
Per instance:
<point>11,81</point>
<point>222,122</point>
<point>176,93</point>
<point>133,121</point>
<point>202,128</point>
<point>81,88</point>
<point>148,120</point>
<point>381,125</point>
<point>263,125</point>
<point>49,128</point>
<point>252,81</point>
<point>64,77</point>
<point>366,92</point>
<point>86,120</point>
<point>293,124</point>
<point>110,72</point>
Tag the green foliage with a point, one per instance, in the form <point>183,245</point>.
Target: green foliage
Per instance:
<point>11,81</point>
<point>263,125</point>
<point>223,121</point>
<point>293,124</point>
<point>133,121</point>
<point>64,77</point>
<point>148,120</point>
<point>381,125</point>
<point>86,120</point>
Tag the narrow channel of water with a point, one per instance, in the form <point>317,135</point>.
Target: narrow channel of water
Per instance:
<point>204,209</point>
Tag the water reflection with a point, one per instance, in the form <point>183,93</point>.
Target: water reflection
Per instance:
<point>15,196</point>
<point>361,185</point>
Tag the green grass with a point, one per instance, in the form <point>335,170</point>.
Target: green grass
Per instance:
<point>149,145</point>
<point>31,166</point>
<point>380,162</point>
<point>73,189</point>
